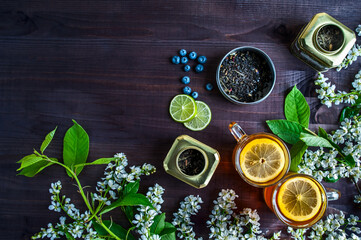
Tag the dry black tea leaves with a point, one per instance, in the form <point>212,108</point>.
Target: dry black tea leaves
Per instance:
<point>245,76</point>
<point>191,162</point>
<point>330,38</point>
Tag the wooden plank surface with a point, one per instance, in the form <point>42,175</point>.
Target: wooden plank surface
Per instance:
<point>106,64</point>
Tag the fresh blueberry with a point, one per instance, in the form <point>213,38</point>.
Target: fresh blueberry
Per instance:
<point>202,59</point>
<point>199,68</point>
<point>176,59</point>
<point>184,60</point>
<point>182,52</point>
<point>194,95</point>
<point>209,86</point>
<point>187,90</point>
<point>187,68</point>
<point>192,55</point>
<point>186,80</point>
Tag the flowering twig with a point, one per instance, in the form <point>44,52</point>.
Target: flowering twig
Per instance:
<point>327,94</point>
<point>353,54</point>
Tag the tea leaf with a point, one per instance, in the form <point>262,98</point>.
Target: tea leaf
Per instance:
<point>129,213</point>
<point>158,224</point>
<point>115,228</point>
<point>47,140</point>
<point>286,130</point>
<point>76,147</point>
<point>131,187</point>
<point>322,133</point>
<point>296,153</point>
<point>296,108</point>
<point>35,168</point>
<point>96,162</point>
<point>132,199</point>
<point>168,232</point>
<point>28,161</point>
<point>349,160</point>
<point>315,141</point>
<point>350,112</point>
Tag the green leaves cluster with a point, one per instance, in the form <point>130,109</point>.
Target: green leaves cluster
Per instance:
<point>75,155</point>
<point>294,130</point>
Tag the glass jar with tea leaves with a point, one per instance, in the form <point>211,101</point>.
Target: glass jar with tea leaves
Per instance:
<point>323,43</point>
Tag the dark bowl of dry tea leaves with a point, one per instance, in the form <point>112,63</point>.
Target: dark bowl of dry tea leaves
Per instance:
<point>246,75</point>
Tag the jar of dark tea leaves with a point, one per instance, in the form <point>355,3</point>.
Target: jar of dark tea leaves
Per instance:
<point>323,43</point>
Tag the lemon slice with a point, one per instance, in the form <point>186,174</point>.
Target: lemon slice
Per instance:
<point>262,160</point>
<point>299,199</point>
<point>202,119</point>
<point>182,108</point>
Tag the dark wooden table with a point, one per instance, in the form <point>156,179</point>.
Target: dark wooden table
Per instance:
<point>106,64</point>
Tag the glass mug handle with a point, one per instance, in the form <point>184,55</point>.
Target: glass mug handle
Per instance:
<point>236,131</point>
<point>332,194</point>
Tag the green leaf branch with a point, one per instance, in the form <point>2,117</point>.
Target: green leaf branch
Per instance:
<point>294,130</point>
<point>75,154</point>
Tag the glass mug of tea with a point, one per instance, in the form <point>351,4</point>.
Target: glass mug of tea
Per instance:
<point>299,200</point>
<point>261,159</point>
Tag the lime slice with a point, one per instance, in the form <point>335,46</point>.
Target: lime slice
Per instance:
<point>202,118</point>
<point>182,108</point>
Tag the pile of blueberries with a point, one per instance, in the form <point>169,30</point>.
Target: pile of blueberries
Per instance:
<point>183,59</point>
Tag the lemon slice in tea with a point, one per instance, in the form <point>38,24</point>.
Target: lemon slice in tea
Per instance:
<point>182,108</point>
<point>262,160</point>
<point>299,199</point>
<point>202,119</point>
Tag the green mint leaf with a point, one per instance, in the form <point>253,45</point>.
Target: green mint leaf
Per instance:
<point>286,130</point>
<point>131,187</point>
<point>296,108</point>
<point>76,147</point>
<point>28,161</point>
<point>99,161</point>
<point>158,224</point>
<point>296,153</point>
<point>350,112</point>
<point>115,228</point>
<point>47,140</point>
<point>35,168</point>
<point>132,199</point>
<point>168,232</point>
<point>315,141</point>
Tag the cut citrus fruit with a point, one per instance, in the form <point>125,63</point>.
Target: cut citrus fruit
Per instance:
<point>182,108</point>
<point>299,199</point>
<point>262,160</point>
<point>202,119</point>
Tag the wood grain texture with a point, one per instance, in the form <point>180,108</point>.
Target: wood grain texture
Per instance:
<point>106,65</point>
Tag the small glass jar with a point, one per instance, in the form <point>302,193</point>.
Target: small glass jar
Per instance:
<point>323,43</point>
<point>191,161</point>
